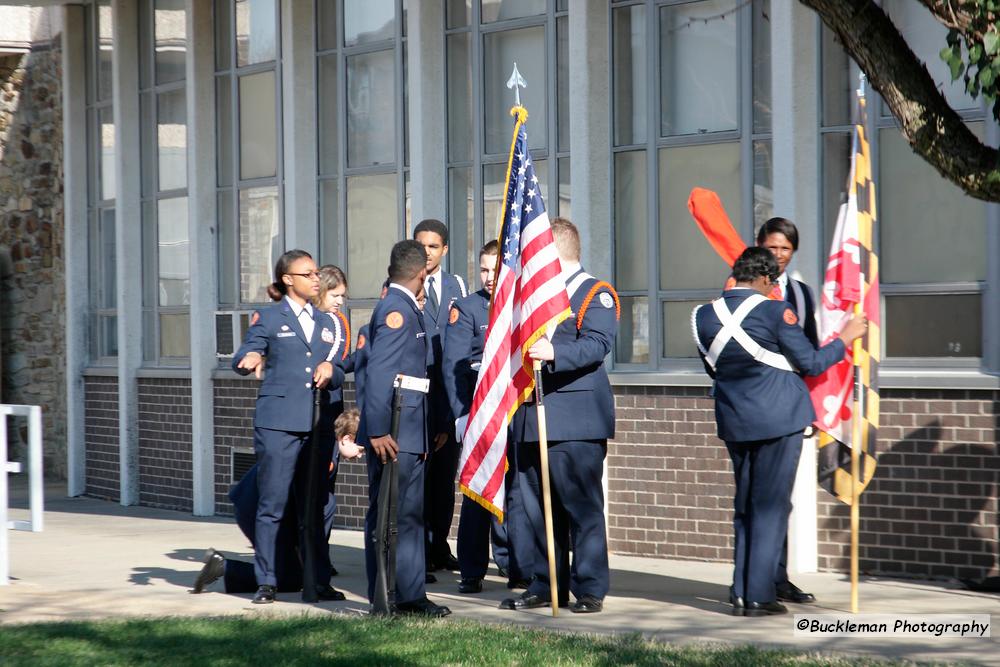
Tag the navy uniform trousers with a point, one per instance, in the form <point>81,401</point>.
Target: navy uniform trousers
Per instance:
<point>397,344</point>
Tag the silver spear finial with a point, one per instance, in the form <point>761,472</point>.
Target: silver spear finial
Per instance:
<point>516,81</point>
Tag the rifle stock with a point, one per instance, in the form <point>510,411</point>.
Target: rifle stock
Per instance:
<point>386,527</point>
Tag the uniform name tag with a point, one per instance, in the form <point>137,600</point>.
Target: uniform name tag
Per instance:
<point>285,334</point>
<point>483,326</point>
<point>421,334</point>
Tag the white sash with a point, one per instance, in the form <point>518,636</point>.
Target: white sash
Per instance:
<point>732,329</point>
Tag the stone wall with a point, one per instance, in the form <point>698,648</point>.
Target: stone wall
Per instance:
<point>32,292</point>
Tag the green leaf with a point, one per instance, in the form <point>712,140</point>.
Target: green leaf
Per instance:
<point>945,54</point>
<point>972,87</point>
<point>957,67</point>
<point>991,41</point>
<point>975,53</point>
<point>986,77</point>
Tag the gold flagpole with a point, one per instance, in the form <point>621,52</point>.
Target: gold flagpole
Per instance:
<point>543,451</point>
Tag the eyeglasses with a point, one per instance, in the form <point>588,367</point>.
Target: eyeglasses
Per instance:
<point>312,275</point>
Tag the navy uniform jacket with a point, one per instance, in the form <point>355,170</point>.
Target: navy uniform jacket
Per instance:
<point>452,289</point>
<point>754,401</point>
<point>464,341</point>
<point>579,404</point>
<point>807,313</point>
<point>284,401</point>
<point>357,363</point>
<point>397,344</point>
<point>332,402</point>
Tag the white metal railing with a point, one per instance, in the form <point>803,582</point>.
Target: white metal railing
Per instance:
<point>35,480</point>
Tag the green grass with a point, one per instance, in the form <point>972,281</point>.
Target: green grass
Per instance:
<point>277,642</point>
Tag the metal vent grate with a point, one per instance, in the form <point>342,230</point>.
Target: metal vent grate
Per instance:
<point>242,460</point>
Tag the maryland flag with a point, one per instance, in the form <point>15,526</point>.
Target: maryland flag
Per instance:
<point>846,396</point>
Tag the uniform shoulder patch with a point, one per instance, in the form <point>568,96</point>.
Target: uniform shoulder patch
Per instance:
<point>453,316</point>
<point>255,317</point>
<point>361,341</point>
<point>790,317</point>
<point>606,300</point>
<point>394,320</point>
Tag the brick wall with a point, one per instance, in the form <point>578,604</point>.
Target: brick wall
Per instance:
<point>165,476</point>
<point>234,405</point>
<point>101,437</point>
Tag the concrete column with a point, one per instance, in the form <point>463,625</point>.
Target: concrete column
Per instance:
<point>298,86</point>
<point>427,134</point>
<point>74,83</point>
<point>991,300</point>
<point>128,238</point>
<point>590,132</point>
<point>202,231</point>
<point>795,140</point>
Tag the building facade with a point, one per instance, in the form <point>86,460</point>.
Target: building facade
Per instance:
<point>202,139</point>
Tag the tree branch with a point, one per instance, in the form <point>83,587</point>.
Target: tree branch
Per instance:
<point>932,128</point>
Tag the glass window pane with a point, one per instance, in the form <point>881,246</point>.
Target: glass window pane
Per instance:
<point>171,135</point>
<point>628,40</point>
<point>526,47</point>
<point>933,325</point>
<point>631,221</point>
<point>459,97</point>
<point>108,335</point>
<point>836,74</point>
<point>150,284</point>
<point>407,204</point>
<point>761,65</point>
<point>224,129</point>
<point>915,202</point>
<point>108,260</point>
<point>459,13</point>
<point>494,188</point>
<point>562,82</point>
<point>835,165</point>
<point>372,230</point>
<point>763,193</point>
<point>632,342</point>
<point>362,316</point>
<point>258,126</point>
<point>697,47</point>
<point>678,342</point>
<point>171,40</point>
<point>326,24</point>
<point>173,256</point>
<point>329,218</point>
<point>329,87</point>
<point>687,261</point>
<point>106,120</point>
<point>369,21</point>
<point>260,241</point>
<point>175,335</point>
<point>256,31</point>
<point>565,195</point>
<point>223,34</point>
<point>371,109</point>
<point>501,10</point>
<point>926,37</point>
<point>462,222</point>
<point>228,270</point>
<point>104,49</point>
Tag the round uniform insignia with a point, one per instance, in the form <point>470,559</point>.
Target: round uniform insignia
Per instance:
<point>453,316</point>
<point>326,335</point>
<point>361,342</point>
<point>606,300</point>
<point>254,318</point>
<point>790,317</point>
<point>394,320</point>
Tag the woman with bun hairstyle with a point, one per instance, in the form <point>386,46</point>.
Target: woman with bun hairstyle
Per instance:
<point>293,347</point>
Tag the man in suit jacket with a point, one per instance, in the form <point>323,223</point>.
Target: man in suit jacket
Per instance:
<point>754,350</point>
<point>781,237</point>
<point>289,343</point>
<point>397,345</point>
<point>580,411</point>
<point>442,290</point>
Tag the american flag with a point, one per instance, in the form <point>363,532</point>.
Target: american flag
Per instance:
<point>529,296</point>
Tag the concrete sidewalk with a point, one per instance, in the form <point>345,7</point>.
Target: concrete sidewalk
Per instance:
<point>96,559</point>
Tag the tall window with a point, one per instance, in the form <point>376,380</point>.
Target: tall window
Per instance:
<point>363,160</point>
<point>670,133</point>
<point>101,185</point>
<point>483,41</point>
<point>248,131</point>
<point>932,299</point>
<point>163,121</point>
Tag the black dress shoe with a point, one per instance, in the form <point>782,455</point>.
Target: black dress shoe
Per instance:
<point>789,592</point>
<point>446,562</point>
<point>265,595</point>
<point>518,583</point>
<point>739,606</point>
<point>333,571</point>
<point>215,567</point>
<point>329,593</point>
<point>764,609</point>
<point>430,578</point>
<point>423,607</point>
<point>587,604</point>
<point>470,585</point>
<point>501,572</point>
<point>528,601</point>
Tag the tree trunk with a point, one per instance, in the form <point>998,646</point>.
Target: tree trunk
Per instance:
<point>932,128</point>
